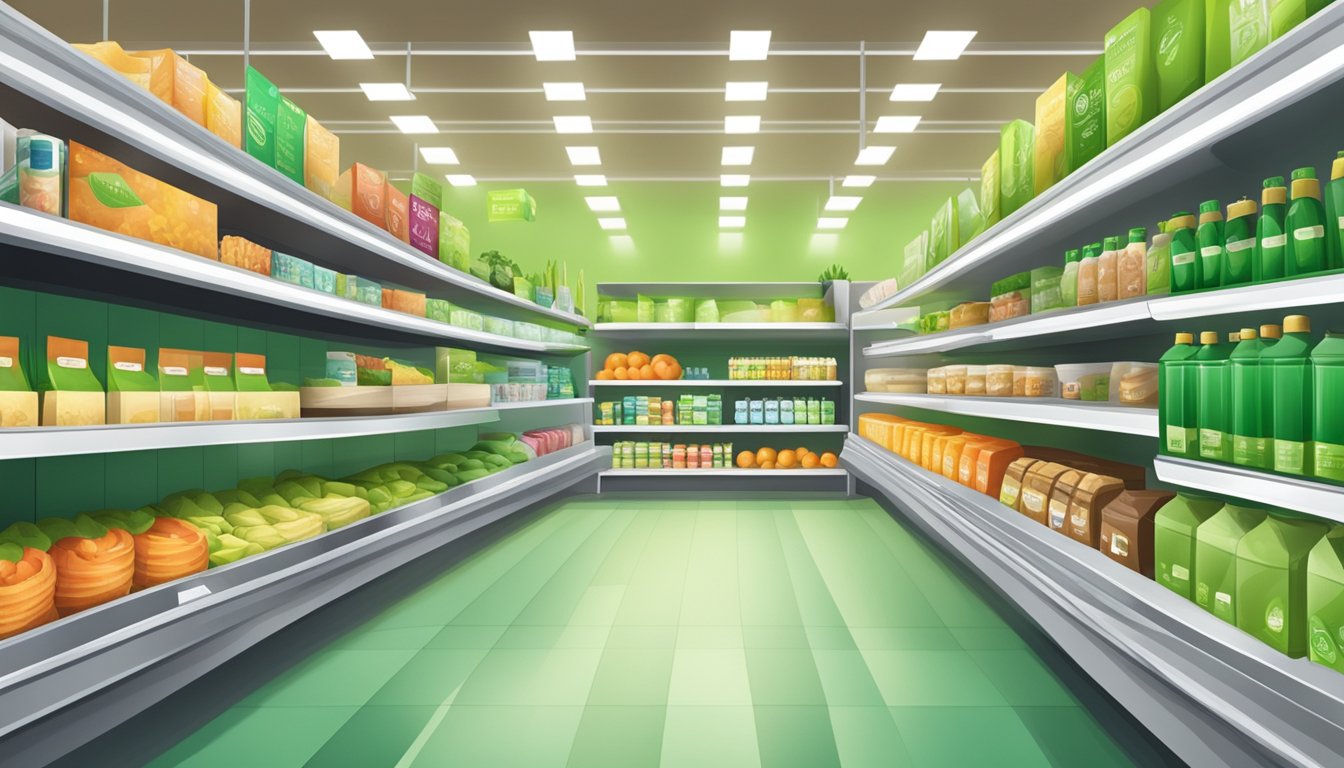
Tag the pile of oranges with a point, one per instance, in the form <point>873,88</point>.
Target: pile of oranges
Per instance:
<point>769,458</point>
<point>637,366</point>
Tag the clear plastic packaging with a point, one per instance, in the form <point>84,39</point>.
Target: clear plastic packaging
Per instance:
<point>904,380</point>
<point>937,381</point>
<point>999,380</point>
<point>1019,381</point>
<point>1041,382</point>
<point>956,379</point>
<point>975,380</point>
<point>1084,381</point>
<point>499,326</point>
<point>1134,384</point>
<point>968,314</point>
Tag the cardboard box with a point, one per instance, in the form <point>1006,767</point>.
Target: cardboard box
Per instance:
<point>18,403</point>
<point>71,394</point>
<point>291,126</point>
<point>110,195</point>
<point>360,190</point>
<point>260,107</point>
<point>397,213</point>
<point>223,115</point>
<point>178,82</point>
<point>321,158</point>
<point>132,392</point>
<point>182,396</point>
<point>245,254</point>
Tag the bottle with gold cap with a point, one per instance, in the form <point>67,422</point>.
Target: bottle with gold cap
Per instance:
<point>1176,393</point>
<point>1327,413</point>
<point>1334,213</point>
<point>1209,237</point>
<point>1250,442</point>
<point>1214,375</point>
<point>1286,367</point>
<point>1270,241</point>
<point>1184,253</point>
<point>1239,243</point>
<point>1306,226</point>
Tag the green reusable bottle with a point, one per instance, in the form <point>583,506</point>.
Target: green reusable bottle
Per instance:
<point>1213,371</point>
<point>1287,370</point>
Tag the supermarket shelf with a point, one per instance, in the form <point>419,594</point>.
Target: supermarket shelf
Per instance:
<point>227,285</point>
<point>682,481</point>
<point>1318,499</point>
<point>1212,693</point>
<point>540,404</point>
<point>46,83</point>
<point>726,331</point>
<point>763,474</point>
<point>1053,411</point>
<point>1300,292</point>
<point>714,290</point>
<point>67,682</point>
<point>625,429</point>
<point>1292,81</point>
<point>714,383</point>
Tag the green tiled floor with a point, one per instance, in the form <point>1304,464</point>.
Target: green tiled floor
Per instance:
<point>698,634</point>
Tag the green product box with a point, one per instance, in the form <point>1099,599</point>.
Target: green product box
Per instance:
<point>439,310</point>
<point>466,318</point>
<point>1045,291</point>
<point>813,411</point>
<point>1178,38</point>
<point>324,279</point>
<point>510,205</point>
<point>1085,116</point>
<point>1247,29</point>
<point>943,233</point>
<point>428,189</point>
<point>1216,543</point>
<point>454,243</point>
<point>522,288</point>
<point>363,290</point>
<point>913,264</point>
<point>1174,539</point>
<point>456,366</point>
<point>1131,87</point>
<point>1325,600</point>
<point>970,221</point>
<point>989,190</point>
<point>292,269</point>
<point>1016,157</point>
<point>827,411</point>
<point>1272,582</point>
<point>291,124</point>
<point>262,100</point>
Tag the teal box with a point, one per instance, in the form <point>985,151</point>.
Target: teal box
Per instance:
<point>292,269</point>
<point>324,279</point>
<point>363,290</point>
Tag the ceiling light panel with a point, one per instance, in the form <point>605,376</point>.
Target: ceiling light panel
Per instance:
<point>387,92</point>
<point>414,124</point>
<point>573,124</point>
<point>748,45</point>
<point>858,180</point>
<point>734,180</point>
<point>943,46</point>
<point>615,223</point>
<point>896,124</point>
<point>564,91</point>
<point>843,202</point>
<point>439,155</point>
<point>603,204</point>
<point>461,179</point>
<point>553,45</point>
<point>732,222</point>
<point>831,222</point>
<point>584,155</point>
<point>732,203</point>
<point>874,155</point>
<point>742,124</point>
<point>746,91</point>
<point>343,44</point>
<point>738,155</point>
<point>590,180</point>
<point>915,91</point>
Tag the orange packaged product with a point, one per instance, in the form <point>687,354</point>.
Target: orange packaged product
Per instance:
<point>170,549</point>
<point>245,254</point>
<point>914,440</point>
<point>387,298</point>
<point>129,66</point>
<point>107,194</point>
<point>952,448</point>
<point>931,436</point>
<point>178,82</point>
<point>223,115</point>
<point>360,190</point>
<point>970,456</point>
<point>398,213</point>
<point>321,158</point>
<point>410,302</point>
<point>992,464</point>
<point>94,564</point>
<point>27,580</point>
<point>877,427</point>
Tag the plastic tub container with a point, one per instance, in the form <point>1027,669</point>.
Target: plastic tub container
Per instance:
<point>1085,381</point>
<point>999,380</point>
<point>1019,381</point>
<point>1134,384</point>
<point>904,380</point>
<point>956,379</point>
<point>1041,382</point>
<point>968,314</point>
<point>937,381</point>
<point>975,380</point>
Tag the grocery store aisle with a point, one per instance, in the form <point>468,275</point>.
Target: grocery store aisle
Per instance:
<point>693,633</point>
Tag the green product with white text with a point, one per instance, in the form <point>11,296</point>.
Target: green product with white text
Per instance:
<point>1213,371</point>
<point>1209,238</point>
<point>1085,116</point>
<point>1216,542</point>
<point>1271,241</point>
<point>1327,413</point>
<point>1306,226</point>
<point>1174,530</point>
<point>1184,253</point>
<point>1131,88</point>
<point>259,123</point>
<point>1239,243</point>
<point>1016,157</point>
<point>1325,600</point>
<point>291,125</point>
<point>1178,35</point>
<point>1247,29</point>
<point>1250,436</point>
<point>1287,368</point>
<point>1177,395</point>
<point>1334,214</point>
<point>1272,582</point>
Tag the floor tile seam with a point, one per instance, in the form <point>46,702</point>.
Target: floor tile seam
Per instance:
<point>643,547</point>
<point>770,516</point>
<point>985,670</point>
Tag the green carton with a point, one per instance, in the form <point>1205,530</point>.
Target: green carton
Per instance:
<point>454,243</point>
<point>943,233</point>
<point>1131,85</point>
<point>1016,157</point>
<point>1085,117</point>
<point>291,124</point>
<point>510,205</point>
<point>262,107</point>
<point>989,190</point>
<point>914,258</point>
<point>1178,35</point>
<point>1272,582</point>
<point>1247,29</point>
<point>970,221</point>
<point>1325,600</point>
<point>456,366</point>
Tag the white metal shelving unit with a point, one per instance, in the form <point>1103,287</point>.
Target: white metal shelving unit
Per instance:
<point>1310,497</point>
<point>760,474</point>
<point>727,429</point>
<point>715,383</point>
<point>1052,411</point>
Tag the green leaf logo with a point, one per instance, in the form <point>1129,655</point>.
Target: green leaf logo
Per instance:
<point>113,191</point>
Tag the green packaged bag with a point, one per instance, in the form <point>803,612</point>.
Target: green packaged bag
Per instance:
<point>1016,156</point>
<point>943,233</point>
<point>1248,29</point>
<point>989,190</point>
<point>706,311</point>
<point>1131,88</point>
<point>970,222</point>
<point>262,107</point>
<point>454,243</point>
<point>680,310</point>
<point>1178,37</point>
<point>1085,117</point>
<point>644,312</point>
<point>291,125</point>
<point>913,264</point>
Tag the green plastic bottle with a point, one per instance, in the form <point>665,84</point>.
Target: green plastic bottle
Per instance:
<point>1174,528</point>
<point>1325,600</point>
<point>1209,238</point>
<point>1271,244</point>
<point>1250,440</point>
<point>1306,226</point>
<point>1068,282</point>
<point>1334,214</point>
<point>1327,412</point>
<point>1248,29</point>
<point>1131,87</point>
<point>1213,372</point>
<point>1159,262</point>
<point>1178,35</point>
<point>1217,45</point>
<point>1177,398</point>
<point>1272,582</point>
<point>1184,253</point>
<point>1287,369</point>
<point>1216,543</point>
<point>1239,243</point>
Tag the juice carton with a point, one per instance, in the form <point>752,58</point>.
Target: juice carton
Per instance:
<point>18,403</point>
<point>1085,118</point>
<point>1049,162</point>
<point>1272,582</point>
<point>1216,542</point>
<point>1325,600</point>
<point>132,392</point>
<point>291,124</point>
<point>321,158</point>
<point>1131,89</point>
<point>71,394</point>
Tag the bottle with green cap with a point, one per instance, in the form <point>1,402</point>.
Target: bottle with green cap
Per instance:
<point>1327,413</point>
<point>1306,226</point>
<point>1209,238</point>
<point>1131,274</point>
<point>1184,253</point>
<point>1334,213</point>
<point>1214,374</point>
<point>1108,265</point>
<point>1250,442</point>
<point>1271,244</point>
<point>1159,262</point>
<point>1087,275</point>
<point>1239,239</point>
<point>1177,393</point>
<point>1068,282</point>
<point>1286,367</point>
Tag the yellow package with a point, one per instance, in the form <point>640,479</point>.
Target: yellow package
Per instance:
<point>18,403</point>
<point>223,115</point>
<point>1049,163</point>
<point>182,82</point>
<point>129,66</point>
<point>322,158</point>
<point>160,64</point>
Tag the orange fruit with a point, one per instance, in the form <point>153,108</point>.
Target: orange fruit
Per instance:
<point>811,461</point>
<point>766,455</point>
<point>621,373</point>
<point>646,372</point>
<point>632,373</point>
<point>663,357</point>
<point>829,460</point>
<point>786,459</point>
<point>675,371</point>
<point>768,465</point>
<point>637,359</point>
<point>605,375</point>
<point>802,451</point>
<point>746,460</point>
<point>616,360</point>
